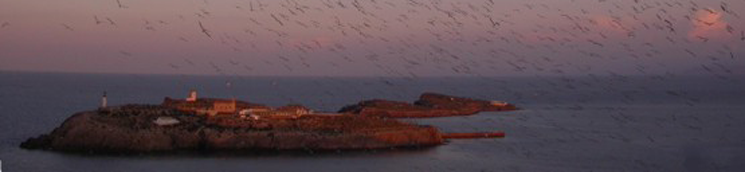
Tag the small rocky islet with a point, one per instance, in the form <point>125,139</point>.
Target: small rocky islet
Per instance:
<point>429,105</point>
<point>207,124</point>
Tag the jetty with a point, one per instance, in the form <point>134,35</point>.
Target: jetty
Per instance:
<point>472,135</point>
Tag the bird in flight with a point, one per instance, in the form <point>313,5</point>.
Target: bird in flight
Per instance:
<point>205,31</point>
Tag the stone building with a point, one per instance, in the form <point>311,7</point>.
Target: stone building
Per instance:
<point>212,107</point>
<point>223,107</point>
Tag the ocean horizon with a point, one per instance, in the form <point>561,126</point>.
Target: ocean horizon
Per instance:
<point>566,123</point>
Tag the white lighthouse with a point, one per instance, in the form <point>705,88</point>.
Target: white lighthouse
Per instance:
<point>192,96</point>
<point>104,102</point>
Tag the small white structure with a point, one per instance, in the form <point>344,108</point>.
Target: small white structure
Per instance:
<point>192,96</point>
<point>104,102</point>
<point>254,117</point>
<point>166,121</point>
<point>244,112</point>
<point>249,113</point>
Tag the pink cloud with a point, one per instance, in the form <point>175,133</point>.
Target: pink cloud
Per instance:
<point>708,24</point>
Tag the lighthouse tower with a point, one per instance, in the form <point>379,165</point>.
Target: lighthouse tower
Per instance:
<point>104,102</point>
<point>192,96</point>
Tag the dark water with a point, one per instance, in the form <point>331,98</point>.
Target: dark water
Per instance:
<point>603,123</point>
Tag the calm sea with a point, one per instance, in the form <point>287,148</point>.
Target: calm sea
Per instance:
<point>588,123</point>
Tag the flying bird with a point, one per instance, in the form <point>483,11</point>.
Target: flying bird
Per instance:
<point>119,4</point>
<point>205,31</point>
<point>67,27</point>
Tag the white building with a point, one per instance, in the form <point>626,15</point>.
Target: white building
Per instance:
<point>192,96</point>
<point>104,102</point>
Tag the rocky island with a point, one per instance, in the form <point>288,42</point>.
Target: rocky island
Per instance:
<point>228,124</point>
<point>429,105</point>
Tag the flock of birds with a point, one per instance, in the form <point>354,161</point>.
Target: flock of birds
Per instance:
<point>411,38</point>
<point>477,38</point>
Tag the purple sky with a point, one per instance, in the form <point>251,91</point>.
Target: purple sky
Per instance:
<point>378,38</point>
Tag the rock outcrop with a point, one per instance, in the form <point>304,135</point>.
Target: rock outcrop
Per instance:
<point>428,105</point>
<point>174,126</point>
<point>133,129</point>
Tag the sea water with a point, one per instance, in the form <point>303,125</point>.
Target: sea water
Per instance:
<point>567,123</point>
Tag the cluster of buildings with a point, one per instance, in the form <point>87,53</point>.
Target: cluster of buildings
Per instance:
<point>220,107</point>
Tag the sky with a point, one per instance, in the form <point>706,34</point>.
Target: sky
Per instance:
<point>394,38</point>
